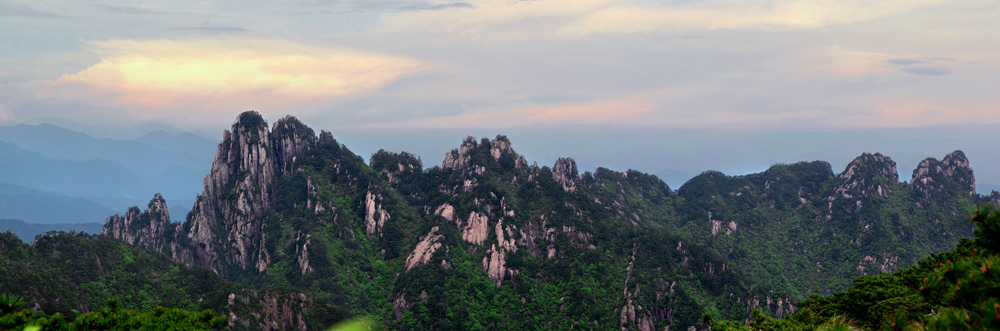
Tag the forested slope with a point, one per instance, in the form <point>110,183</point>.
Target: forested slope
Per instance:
<point>75,273</point>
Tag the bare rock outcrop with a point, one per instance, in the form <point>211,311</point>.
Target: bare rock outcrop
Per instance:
<point>238,193</point>
<point>424,250</point>
<point>458,158</point>
<point>495,261</point>
<point>239,188</point>
<point>565,173</point>
<point>375,215</point>
<point>860,177</point>
<point>867,175</point>
<point>303,252</point>
<point>144,229</point>
<point>290,139</point>
<point>932,178</point>
<point>446,211</point>
<point>475,229</point>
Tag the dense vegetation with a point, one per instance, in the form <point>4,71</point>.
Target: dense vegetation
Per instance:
<point>28,231</point>
<point>111,317</point>
<point>800,229</point>
<point>70,276</point>
<point>956,290</point>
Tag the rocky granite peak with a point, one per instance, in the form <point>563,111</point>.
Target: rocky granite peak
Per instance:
<point>144,229</point>
<point>458,158</point>
<point>870,166</point>
<point>395,165</point>
<point>225,225</point>
<point>497,149</point>
<point>867,175</point>
<point>291,139</point>
<point>565,173</point>
<point>237,193</point>
<point>932,178</point>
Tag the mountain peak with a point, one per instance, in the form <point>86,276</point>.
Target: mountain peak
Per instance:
<point>497,148</point>
<point>290,139</point>
<point>871,165</point>
<point>565,173</point>
<point>931,178</point>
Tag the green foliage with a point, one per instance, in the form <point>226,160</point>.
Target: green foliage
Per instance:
<point>66,273</point>
<point>959,289</point>
<point>987,228</point>
<point>9,303</point>
<point>113,317</point>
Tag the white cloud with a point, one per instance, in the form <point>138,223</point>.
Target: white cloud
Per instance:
<point>228,73</point>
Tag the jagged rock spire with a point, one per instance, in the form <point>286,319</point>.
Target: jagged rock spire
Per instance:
<point>290,139</point>
<point>565,173</point>
<point>459,158</point>
<point>144,229</point>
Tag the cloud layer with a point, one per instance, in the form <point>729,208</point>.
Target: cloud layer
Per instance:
<point>231,73</point>
<point>587,17</point>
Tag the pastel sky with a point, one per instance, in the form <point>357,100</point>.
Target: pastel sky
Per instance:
<point>667,84</point>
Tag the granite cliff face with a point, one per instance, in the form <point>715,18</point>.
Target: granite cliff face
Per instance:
<point>144,229</point>
<point>224,228</point>
<point>224,225</point>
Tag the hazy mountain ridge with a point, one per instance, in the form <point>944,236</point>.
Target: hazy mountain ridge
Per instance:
<point>27,231</point>
<point>19,202</point>
<point>112,173</point>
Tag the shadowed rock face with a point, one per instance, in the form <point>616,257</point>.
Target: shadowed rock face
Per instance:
<point>290,139</point>
<point>144,229</point>
<point>235,200</point>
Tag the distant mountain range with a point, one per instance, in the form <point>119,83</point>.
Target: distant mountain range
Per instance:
<point>54,175</point>
<point>40,207</point>
<point>28,231</point>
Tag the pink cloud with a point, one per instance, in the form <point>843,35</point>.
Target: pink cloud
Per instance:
<point>616,110</point>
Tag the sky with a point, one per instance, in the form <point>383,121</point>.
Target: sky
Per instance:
<point>678,85</point>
